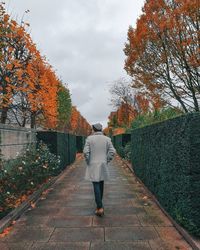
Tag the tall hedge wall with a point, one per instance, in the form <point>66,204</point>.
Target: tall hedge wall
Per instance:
<point>166,157</point>
<point>80,142</point>
<point>71,148</point>
<point>60,144</point>
<point>120,141</point>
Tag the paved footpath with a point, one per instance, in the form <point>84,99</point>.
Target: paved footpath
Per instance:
<point>64,218</point>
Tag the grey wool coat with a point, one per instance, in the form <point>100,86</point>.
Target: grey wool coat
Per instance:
<point>98,152</point>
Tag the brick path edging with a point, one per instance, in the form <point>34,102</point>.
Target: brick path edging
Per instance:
<point>195,244</point>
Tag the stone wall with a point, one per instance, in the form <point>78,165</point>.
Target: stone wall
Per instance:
<point>14,140</point>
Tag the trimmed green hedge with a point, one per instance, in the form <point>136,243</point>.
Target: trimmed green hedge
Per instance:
<point>120,142</point>
<point>71,148</point>
<point>166,157</point>
<point>80,142</point>
<point>61,144</point>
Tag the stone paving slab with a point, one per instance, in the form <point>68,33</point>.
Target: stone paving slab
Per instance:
<point>29,233</point>
<point>77,203</point>
<point>77,211</point>
<point>64,218</point>
<point>51,210</point>
<point>33,220</point>
<point>116,221</point>
<point>61,246</point>
<point>130,233</point>
<point>16,246</point>
<point>160,244</point>
<point>78,234</point>
<point>118,202</point>
<point>120,246</point>
<point>69,221</point>
<point>124,210</point>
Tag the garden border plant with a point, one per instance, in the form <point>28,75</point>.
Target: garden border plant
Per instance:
<point>22,176</point>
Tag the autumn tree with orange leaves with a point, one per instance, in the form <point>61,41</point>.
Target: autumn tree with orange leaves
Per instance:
<point>78,124</point>
<point>127,103</point>
<point>30,91</point>
<point>42,90</point>
<point>122,92</point>
<point>163,52</point>
<point>14,57</point>
<point>120,120</point>
<point>29,85</point>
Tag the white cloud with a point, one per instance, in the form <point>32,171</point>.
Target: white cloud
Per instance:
<point>84,41</point>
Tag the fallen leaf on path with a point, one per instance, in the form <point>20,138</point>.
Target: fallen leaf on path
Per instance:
<point>42,198</point>
<point>13,222</point>
<point>5,232</point>
<point>33,205</point>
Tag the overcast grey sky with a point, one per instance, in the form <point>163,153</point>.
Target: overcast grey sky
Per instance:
<point>84,41</point>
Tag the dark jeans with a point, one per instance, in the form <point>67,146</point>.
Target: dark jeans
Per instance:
<point>98,192</point>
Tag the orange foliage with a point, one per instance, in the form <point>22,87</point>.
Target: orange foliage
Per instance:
<point>12,44</point>
<point>119,131</point>
<point>122,118</point>
<point>42,90</point>
<point>78,124</point>
<point>163,51</point>
<point>26,73</point>
<point>6,231</point>
<point>125,114</point>
<point>106,131</point>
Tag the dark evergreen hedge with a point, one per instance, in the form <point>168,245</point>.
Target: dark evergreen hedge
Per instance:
<point>118,145</point>
<point>119,142</point>
<point>80,142</point>
<point>61,144</point>
<point>166,157</point>
<point>72,148</point>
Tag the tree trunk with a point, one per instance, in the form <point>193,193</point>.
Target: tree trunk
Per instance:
<point>24,122</point>
<point>4,114</point>
<point>33,119</point>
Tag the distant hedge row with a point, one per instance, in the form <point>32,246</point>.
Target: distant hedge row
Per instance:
<point>120,142</point>
<point>166,157</point>
<point>62,144</point>
<point>80,142</point>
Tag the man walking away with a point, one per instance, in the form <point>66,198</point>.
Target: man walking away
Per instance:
<point>98,152</point>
